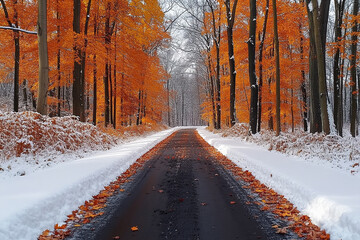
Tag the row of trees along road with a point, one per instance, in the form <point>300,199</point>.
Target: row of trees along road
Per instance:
<point>103,63</point>
<point>274,64</point>
<point>278,64</point>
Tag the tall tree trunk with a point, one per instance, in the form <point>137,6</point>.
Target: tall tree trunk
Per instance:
<point>17,70</point>
<point>168,101</point>
<point>230,16</point>
<point>261,50</point>
<point>321,68</point>
<point>43,58</point>
<point>107,72</point>
<point>217,40</point>
<point>212,89</point>
<point>252,72</point>
<point>78,98</point>
<point>58,64</point>
<point>277,58</point>
<point>182,106</point>
<point>17,59</point>
<point>114,110</point>
<point>95,77</point>
<point>111,89</point>
<point>95,91</point>
<point>303,86</point>
<point>339,12</point>
<point>138,116</point>
<point>218,86</point>
<point>17,51</point>
<point>83,63</point>
<point>315,113</point>
<point>354,89</point>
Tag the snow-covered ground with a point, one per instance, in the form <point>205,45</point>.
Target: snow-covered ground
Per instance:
<point>34,202</point>
<point>329,196</point>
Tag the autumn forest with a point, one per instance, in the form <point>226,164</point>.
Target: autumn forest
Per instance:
<point>278,65</point>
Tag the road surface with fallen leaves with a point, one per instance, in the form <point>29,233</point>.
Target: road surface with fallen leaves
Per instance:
<point>182,193</point>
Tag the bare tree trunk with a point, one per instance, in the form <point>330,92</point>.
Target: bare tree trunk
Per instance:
<point>168,102</point>
<point>17,59</point>
<point>107,72</point>
<point>261,50</point>
<point>78,98</point>
<point>354,89</point>
<point>321,69</point>
<point>114,110</point>
<point>339,12</point>
<point>182,106</point>
<point>111,93</point>
<point>138,116</point>
<point>212,88</point>
<point>217,39</point>
<point>83,64</point>
<point>95,91</point>
<point>277,58</point>
<point>230,16</point>
<point>252,72</point>
<point>303,87</point>
<point>315,112</point>
<point>43,58</point>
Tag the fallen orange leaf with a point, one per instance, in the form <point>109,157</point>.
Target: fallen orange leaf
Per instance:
<point>134,229</point>
<point>45,233</point>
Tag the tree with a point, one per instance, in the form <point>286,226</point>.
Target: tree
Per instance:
<point>216,29</point>
<point>339,13</point>
<point>354,89</point>
<point>230,17</point>
<point>16,38</point>
<point>320,60</point>
<point>277,58</point>
<point>261,51</point>
<point>78,86</point>
<point>43,58</point>
<point>252,68</point>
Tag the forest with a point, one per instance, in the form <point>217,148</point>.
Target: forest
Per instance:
<point>102,59</point>
<point>278,65</point>
<point>257,62</point>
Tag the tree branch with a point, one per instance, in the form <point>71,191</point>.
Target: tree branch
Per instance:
<point>18,30</point>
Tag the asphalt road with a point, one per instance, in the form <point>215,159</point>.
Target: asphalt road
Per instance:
<point>182,193</point>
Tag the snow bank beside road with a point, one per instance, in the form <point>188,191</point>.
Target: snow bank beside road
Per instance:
<point>32,203</point>
<point>330,197</point>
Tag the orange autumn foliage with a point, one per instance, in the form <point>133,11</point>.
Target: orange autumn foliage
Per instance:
<point>292,25</point>
<point>137,33</point>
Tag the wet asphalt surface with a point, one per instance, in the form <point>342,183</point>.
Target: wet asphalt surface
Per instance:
<point>182,193</point>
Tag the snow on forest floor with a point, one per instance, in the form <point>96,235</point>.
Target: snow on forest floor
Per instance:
<point>31,203</point>
<point>30,142</point>
<point>315,173</point>
<point>335,151</point>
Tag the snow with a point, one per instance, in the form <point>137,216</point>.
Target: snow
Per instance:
<point>35,202</point>
<point>310,6</point>
<point>328,195</point>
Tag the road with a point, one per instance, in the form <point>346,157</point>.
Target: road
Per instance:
<point>182,193</point>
